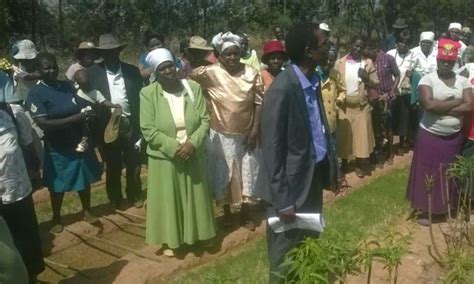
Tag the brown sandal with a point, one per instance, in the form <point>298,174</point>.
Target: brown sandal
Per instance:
<point>359,173</point>
<point>342,187</point>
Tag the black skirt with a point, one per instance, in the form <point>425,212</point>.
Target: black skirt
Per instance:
<point>401,116</point>
<point>20,217</point>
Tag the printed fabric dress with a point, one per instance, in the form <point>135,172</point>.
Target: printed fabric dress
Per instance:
<point>232,101</point>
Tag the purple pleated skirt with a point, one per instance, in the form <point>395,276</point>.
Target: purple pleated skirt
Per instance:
<point>431,158</point>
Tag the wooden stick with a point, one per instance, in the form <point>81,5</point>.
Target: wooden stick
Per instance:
<point>124,222</point>
<point>129,214</point>
<point>78,271</point>
<point>135,252</point>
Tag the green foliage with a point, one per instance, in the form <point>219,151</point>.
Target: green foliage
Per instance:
<point>336,256</point>
<point>319,260</point>
<point>458,259</point>
<point>390,252</point>
<point>462,168</point>
<point>370,209</point>
<point>81,20</point>
<point>461,264</point>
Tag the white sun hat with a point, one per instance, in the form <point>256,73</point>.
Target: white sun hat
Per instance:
<point>26,50</point>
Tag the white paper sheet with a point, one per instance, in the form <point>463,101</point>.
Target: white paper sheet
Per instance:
<point>306,221</point>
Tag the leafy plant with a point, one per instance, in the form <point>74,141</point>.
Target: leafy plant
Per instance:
<point>458,259</point>
<point>334,257</point>
<point>368,253</point>
<point>461,264</point>
<point>323,260</point>
<point>390,252</point>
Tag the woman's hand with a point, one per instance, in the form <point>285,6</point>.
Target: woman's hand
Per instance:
<point>185,151</point>
<point>251,141</point>
<point>363,75</point>
<point>87,113</point>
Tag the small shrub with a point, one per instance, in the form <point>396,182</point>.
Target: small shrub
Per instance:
<point>458,259</point>
<point>390,252</point>
<point>323,260</point>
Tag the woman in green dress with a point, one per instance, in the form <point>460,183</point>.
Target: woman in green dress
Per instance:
<point>175,123</point>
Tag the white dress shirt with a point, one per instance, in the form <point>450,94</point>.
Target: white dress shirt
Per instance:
<point>118,93</point>
<point>424,64</point>
<point>405,63</point>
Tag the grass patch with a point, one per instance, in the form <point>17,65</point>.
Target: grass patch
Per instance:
<point>373,207</point>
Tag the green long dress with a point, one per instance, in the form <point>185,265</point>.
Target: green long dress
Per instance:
<point>179,204</point>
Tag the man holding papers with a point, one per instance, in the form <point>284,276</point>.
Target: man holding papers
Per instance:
<point>297,160</point>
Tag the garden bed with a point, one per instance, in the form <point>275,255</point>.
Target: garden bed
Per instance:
<point>105,263</point>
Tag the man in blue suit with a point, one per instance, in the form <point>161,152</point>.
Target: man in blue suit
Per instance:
<point>297,160</point>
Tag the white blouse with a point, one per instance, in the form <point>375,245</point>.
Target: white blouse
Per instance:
<point>14,180</point>
<point>439,124</point>
<point>176,103</point>
<point>352,77</point>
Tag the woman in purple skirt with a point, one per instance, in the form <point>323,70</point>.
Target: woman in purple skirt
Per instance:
<point>445,97</point>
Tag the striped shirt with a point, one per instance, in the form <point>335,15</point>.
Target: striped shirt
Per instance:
<point>387,69</point>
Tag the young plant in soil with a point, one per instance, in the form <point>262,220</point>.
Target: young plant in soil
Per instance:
<point>333,258</point>
<point>458,259</point>
<point>367,258</point>
<point>390,251</point>
<point>326,260</point>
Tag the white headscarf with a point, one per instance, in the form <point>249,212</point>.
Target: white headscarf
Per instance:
<point>427,36</point>
<point>455,26</point>
<point>158,56</point>
<point>223,41</point>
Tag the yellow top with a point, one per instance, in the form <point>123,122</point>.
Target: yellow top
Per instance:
<point>251,59</point>
<point>232,97</point>
<point>332,90</point>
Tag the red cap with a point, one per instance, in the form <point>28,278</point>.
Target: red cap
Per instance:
<point>272,46</point>
<point>448,49</point>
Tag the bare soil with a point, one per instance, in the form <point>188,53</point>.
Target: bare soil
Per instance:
<point>100,262</point>
<point>417,266</point>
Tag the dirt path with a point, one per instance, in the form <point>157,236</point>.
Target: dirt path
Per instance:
<point>417,266</point>
<point>105,263</point>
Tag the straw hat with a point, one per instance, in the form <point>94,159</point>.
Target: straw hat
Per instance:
<point>26,50</point>
<point>86,45</point>
<point>112,129</point>
<point>108,42</point>
<point>197,42</point>
<point>400,24</point>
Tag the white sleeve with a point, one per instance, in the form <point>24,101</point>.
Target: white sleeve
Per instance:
<point>465,82</point>
<point>99,97</point>
<point>426,81</point>
<point>25,136</point>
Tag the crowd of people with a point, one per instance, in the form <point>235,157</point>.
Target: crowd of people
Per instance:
<point>221,126</point>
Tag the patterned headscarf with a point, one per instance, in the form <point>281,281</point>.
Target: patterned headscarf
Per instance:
<point>222,41</point>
